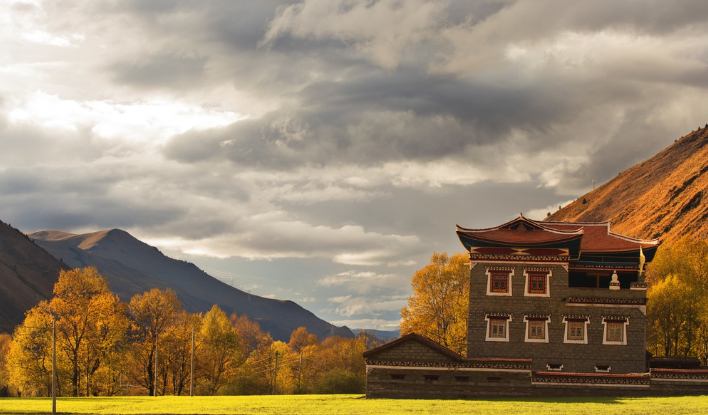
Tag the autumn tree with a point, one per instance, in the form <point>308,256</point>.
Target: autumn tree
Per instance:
<point>438,306</point>
<point>90,326</point>
<point>176,351</point>
<point>29,361</point>
<point>5,343</point>
<point>677,307</point>
<point>153,315</point>
<point>220,352</point>
<point>250,332</point>
<point>300,338</point>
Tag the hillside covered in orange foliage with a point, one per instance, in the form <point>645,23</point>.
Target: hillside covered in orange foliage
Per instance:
<point>663,197</point>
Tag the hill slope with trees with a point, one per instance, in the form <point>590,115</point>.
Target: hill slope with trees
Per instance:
<point>663,197</point>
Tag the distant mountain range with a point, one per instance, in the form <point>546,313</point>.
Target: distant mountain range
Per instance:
<point>133,267</point>
<point>663,197</point>
<point>27,276</point>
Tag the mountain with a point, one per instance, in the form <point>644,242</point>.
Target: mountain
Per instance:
<point>27,276</point>
<point>133,267</point>
<point>663,197</point>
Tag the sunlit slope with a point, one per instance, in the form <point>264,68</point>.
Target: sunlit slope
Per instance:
<point>663,197</point>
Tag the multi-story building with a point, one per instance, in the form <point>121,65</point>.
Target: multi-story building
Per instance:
<point>568,296</point>
<point>555,308</point>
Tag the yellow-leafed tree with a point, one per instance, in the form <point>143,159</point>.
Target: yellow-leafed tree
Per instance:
<point>90,324</point>
<point>439,305</point>
<point>677,307</point>
<point>221,351</point>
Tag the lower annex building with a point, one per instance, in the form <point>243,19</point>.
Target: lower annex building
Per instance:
<point>556,308</point>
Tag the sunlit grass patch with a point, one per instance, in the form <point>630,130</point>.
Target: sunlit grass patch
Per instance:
<point>353,404</point>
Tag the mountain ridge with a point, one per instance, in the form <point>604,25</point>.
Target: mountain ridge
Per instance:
<point>132,266</point>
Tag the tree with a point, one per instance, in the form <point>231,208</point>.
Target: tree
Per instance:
<point>677,307</point>
<point>439,305</point>
<point>90,322</point>
<point>176,351</point>
<point>29,361</point>
<point>220,350</point>
<point>5,344</point>
<point>90,326</point>
<point>300,339</point>
<point>154,314</point>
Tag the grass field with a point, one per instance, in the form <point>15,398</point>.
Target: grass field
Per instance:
<point>353,404</point>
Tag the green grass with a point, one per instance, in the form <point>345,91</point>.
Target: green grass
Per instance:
<point>353,404</point>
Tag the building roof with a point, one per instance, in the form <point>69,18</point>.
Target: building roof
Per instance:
<point>523,232</point>
<point>414,337</point>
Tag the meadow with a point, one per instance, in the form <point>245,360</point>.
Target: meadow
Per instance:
<point>352,404</point>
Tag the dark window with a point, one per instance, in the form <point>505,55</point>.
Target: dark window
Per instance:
<point>602,368</point>
<point>581,279</point>
<point>431,378</point>
<point>462,379</point>
<point>594,280</point>
<point>398,377</point>
<point>627,278</point>
<point>554,366</point>
<point>493,379</point>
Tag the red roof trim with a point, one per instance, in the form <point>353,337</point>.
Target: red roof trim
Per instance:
<point>592,375</point>
<point>521,218</point>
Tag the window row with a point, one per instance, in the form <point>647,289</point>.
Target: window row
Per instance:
<point>536,281</point>
<point>575,329</point>
<point>436,378</point>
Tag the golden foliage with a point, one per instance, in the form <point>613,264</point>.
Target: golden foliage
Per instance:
<point>439,305</point>
<point>677,308</point>
<point>90,322</point>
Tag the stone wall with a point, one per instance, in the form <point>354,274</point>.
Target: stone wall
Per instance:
<point>454,383</point>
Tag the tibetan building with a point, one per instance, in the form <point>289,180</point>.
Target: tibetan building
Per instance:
<point>556,308</point>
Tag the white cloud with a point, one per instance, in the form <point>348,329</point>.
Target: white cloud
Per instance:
<point>369,323</point>
<point>541,213</point>
<point>152,121</point>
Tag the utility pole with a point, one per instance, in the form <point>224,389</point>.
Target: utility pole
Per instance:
<point>54,366</point>
<point>191,369</point>
<point>275,371</point>
<point>155,391</point>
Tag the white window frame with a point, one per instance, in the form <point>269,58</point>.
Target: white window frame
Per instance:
<point>605,321</point>
<point>609,368</point>
<point>545,330</point>
<point>585,331</point>
<point>489,319</point>
<point>527,280</point>
<point>493,270</point>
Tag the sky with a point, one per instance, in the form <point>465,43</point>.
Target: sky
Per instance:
<point>321,150</point>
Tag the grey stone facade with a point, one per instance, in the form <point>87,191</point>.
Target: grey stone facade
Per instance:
<point>629,358</point>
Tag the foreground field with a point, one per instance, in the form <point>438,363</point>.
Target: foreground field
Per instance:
<point>352,404</point>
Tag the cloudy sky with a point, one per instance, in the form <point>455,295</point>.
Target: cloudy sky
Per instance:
<point>322,150</point>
